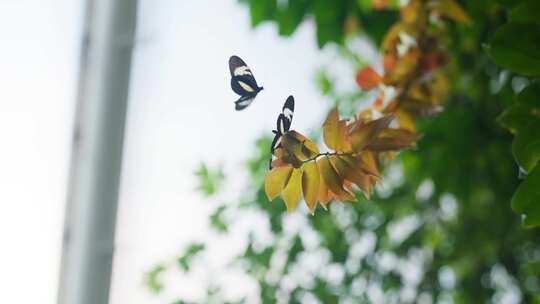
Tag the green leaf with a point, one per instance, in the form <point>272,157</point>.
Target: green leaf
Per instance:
<point>515,47</point>
<point>210,180</point>
<point>526,12</point>
<point>526,147</point>
<point>290,16</point>
<point>191,251</point>
<point>526,199</point>
<point>329,18</point>
<point>523,119</point>
<point>216,219</point>
<point>152,279</point>
<point>262,10</point>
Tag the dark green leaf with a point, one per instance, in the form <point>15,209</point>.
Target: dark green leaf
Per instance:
<point>526,200</point>
<point>526,12</point>
<point>515,47</point>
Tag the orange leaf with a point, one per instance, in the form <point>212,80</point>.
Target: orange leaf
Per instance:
<point>323,195</point>
<point>367,78</point>
<point>276,180</point>
<point>357,174</point>
<point>389,62</point>
<point>332,179</point>
<point>364,133</point>
<point>393,139</point>
<point>291,193</point>
<point>310,184</point>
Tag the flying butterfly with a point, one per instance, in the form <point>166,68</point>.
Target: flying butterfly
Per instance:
<point>242,83</point>
<point>283,124</point>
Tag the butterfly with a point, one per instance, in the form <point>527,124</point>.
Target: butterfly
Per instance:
<point>242,83</point>
<point>283,124</point>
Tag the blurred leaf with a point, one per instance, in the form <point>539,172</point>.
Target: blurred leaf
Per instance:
<point>310,184</point>
<point>362,134</point>
<point>261,10</point>
<point>392,140</point>
<point>292,191</point>
<point>153,280</point>
<point>526,12</point>
<point>523,119</point>
<point>330,19</point>
<point>515,47</point>
<point>452,10</point>
<point>216,220</point>
<point>367,78</point>
<point>210,181</point>
<point>526,200</point>
<point>290,15</point>
<point>276,180</point>
<point>191,251</point>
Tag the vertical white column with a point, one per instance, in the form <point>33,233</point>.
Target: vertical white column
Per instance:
<point>97,152</point>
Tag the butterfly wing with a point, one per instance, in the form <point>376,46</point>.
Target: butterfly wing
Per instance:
<point>243,85</point>
<point>286,115</point>
<point>238,67</point>
<point>283,124</point>
<point>243,102</point>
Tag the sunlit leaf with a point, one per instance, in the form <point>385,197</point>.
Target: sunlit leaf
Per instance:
<point>405,120</point>
<point>526,199</point>
<point>367,78</point>
<point>293,190</point>
<point>332,179</point>
<point>299,146</point>
<point>361,135</point>
<point>276,180</point>
<point>330,129</point>
<point>392,139</point>
<point>310,184</point>
<point>323,196</point>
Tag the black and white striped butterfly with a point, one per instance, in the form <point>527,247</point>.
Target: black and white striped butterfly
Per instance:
<point>283,124</point>
<point>242,82</point>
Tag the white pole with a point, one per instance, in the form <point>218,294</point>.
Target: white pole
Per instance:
<point>97,152</point>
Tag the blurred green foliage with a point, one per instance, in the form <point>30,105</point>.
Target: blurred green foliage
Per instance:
<point>210,180</point>
<point>440,229</point>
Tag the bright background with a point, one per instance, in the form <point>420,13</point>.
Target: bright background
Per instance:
<point>180,113</point>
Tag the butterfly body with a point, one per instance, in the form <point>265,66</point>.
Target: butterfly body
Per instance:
<point>283,124</point>
<point>242,83</point>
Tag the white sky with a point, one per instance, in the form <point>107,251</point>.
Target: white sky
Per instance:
<point>181,112</point>
<point>39,43</point>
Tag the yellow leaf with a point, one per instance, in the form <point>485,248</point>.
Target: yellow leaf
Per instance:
<point>332,179</point>
<point>276,180</point>
<point>310,184</point>
<point>405,120</point>
<point>293,190</point>
<point>364,133</point>
<point>299,146</point>
<point>330,129</point>
<point>452,10</point>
